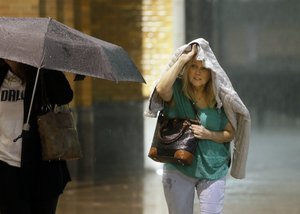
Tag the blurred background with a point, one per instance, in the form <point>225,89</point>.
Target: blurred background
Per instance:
<point>258,45</point>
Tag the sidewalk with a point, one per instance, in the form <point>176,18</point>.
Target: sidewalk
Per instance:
<point>271,187</point>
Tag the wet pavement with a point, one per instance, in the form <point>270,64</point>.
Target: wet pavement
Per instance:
<point>272,184</point>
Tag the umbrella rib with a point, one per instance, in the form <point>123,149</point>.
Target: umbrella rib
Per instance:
<point>41,61</point>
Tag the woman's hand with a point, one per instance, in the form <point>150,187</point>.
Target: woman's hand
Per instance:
<point>164,86</point>
<point>187,56</point>
<point>200,131</point>
<point>224,136</point>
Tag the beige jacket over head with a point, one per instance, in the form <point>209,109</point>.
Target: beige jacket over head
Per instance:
<point>226,97</point>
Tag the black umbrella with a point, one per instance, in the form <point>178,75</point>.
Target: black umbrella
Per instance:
<point>47,43</point>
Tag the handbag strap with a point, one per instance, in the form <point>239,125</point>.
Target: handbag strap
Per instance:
<point>46,105</point>
<point>193,104</point>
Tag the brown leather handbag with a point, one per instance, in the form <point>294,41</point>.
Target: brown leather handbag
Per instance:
<point>173,141</point>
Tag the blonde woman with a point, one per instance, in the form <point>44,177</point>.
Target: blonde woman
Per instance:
<point>194,75</point>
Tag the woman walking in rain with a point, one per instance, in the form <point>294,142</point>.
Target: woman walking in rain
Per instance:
<point>195,75</point>
<point>28,185</point>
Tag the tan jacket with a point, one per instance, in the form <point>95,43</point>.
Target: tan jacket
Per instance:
<point>226,96</point>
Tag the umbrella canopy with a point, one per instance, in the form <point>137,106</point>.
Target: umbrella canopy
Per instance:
<point>47,43</point>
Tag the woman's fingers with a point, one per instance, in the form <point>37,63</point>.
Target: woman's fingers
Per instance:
<point>199,131</point>
<point>194,48</point>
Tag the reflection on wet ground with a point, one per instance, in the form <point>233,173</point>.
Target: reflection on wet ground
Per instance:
<point>130,197</point>
<point>272,184</point>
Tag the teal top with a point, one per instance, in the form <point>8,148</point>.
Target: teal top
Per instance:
<point>211,158</point>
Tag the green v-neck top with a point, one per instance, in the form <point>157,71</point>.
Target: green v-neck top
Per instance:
<point>211,158</point>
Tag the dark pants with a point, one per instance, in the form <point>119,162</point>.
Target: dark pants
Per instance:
<point>11,201</point>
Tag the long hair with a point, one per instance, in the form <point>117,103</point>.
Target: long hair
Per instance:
<point>189,92</point>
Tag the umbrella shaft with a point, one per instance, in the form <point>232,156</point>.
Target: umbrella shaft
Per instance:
<point>26,125</point>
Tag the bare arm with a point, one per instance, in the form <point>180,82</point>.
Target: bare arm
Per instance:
<point>164,86</point>
<point>217,136</point>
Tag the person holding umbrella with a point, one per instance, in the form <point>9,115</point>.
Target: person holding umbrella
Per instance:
<point>28,185</point>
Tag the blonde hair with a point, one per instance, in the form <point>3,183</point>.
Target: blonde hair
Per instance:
<point>189,92</point>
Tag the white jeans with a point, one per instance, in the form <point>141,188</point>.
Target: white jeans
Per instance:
<point>179,192</point>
